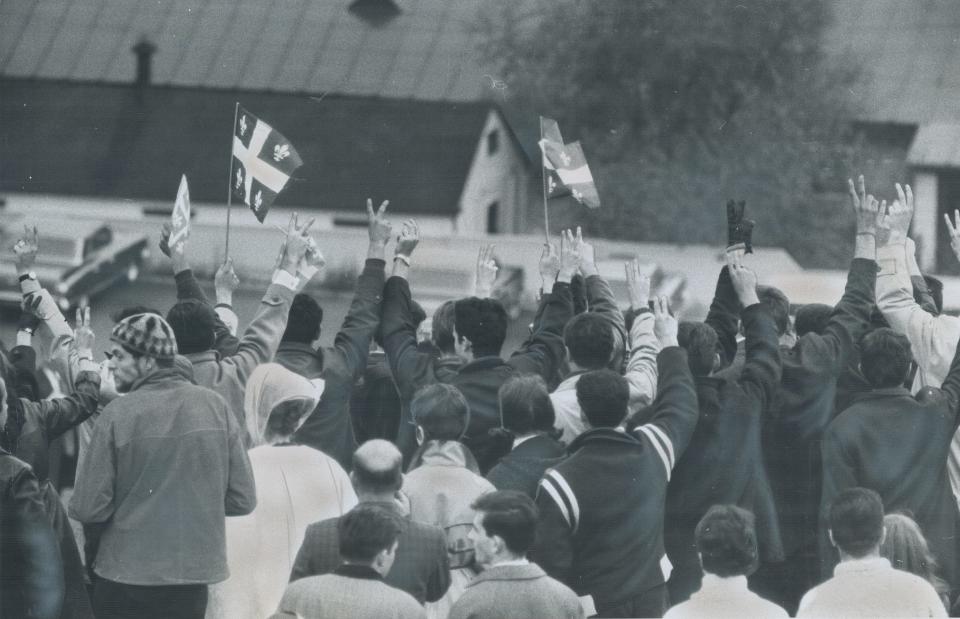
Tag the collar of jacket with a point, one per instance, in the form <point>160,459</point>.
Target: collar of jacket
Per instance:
<point>206,356</point>
<point>393,506</point>
<point>351,570</point>
<point>530,571</point>
<point>601,435</point>
<point>445,453</point>
<point>300,347</point>
<point>483,363</point>
<point>570,382</point>
<point>160,376</point>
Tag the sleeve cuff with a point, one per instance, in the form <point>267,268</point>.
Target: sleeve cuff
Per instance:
<point>285,279</point>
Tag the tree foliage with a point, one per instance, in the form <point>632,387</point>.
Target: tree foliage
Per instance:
<point>681,104</point>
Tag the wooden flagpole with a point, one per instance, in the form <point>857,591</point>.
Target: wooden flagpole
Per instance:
<point>236,110</point>
<point>543,178</point>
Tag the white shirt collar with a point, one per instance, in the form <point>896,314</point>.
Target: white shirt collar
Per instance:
<point>520,561</point>
<point>867,564</point>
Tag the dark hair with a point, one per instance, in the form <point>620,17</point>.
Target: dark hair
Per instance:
<point>132,310</point>
<point>589,337</point>
<point>482,322</point>
<point>303,320</point>
<point>812,318</point>
<point>367,530</point>
<point>700,341</point>
<point>727,541</point>
<point>381,474</point>
<point>885,357</point>
<point>510,514</point>
<point>778,304</point>
<point>525,405</point>
<point>442,412</point>
<point>442,327</point>
<point>603,396</point>
<point>192,322</point>
<point>856,521</point>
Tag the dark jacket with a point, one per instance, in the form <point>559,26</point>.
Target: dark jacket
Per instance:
<point>805,405</point>
<point>723,463</point>
<point>421,568</point>
<point>600,530</point>
<point>523,468</point>
<point>31,575</point>
<point>480,379</point>
<point>329,428</point>
<point>897,445</point>
<point>375,401</point>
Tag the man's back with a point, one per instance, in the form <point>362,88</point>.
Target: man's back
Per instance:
<point>165,465</point>
<point>346,594</point>
<point>516,592</point>
<point>872,588</point>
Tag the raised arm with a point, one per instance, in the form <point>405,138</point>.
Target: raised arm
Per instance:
<point>600,298</point>
<point>641,372</point>
<point>761,369</point>
<point>724,315</point>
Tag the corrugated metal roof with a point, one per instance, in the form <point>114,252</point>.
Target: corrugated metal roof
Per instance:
<point>936,145</point>
<point>427,52</point>
<point>908,53</point>
<point>85,139</point>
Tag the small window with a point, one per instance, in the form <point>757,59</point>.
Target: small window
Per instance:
<point>493,142</point>
<point>493,218</point>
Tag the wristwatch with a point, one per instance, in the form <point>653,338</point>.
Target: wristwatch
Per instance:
<point>26,276</point>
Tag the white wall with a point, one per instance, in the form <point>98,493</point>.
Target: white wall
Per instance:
<point>926,218</point>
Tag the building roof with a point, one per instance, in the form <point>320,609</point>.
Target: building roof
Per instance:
<point>425,51</point>
<point>87,139</point>
<point>908,55</point>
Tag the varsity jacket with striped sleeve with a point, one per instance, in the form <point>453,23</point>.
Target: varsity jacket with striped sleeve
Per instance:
<point>600,530</point>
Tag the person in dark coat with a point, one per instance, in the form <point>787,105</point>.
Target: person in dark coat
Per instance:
<point>600,530</point>
<point>897,445</point>
<point>480,331</point>
<point>31,575</point>
<point>528,427</point>
<point>724,462</point>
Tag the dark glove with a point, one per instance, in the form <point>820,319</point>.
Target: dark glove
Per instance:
<point>739,230</point>
<point>28,313</point>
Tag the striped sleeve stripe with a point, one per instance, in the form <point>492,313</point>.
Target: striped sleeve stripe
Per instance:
<point>656,445</point>
<point>667,443</point>
<point>570,496</point>
<point>547,485</point>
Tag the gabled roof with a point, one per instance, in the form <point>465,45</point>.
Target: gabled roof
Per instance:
<point>908,53</point>
<point>104,140</point>
<point>425,52</point>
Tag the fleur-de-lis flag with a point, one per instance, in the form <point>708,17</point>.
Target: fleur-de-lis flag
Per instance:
<point>565,166</point>
<point>263,161</point>
<point>551,140</point>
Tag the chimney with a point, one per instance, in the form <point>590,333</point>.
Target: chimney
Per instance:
<point>144,50</point>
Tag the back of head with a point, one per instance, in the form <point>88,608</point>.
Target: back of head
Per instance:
<point>275,402</point>
<point>443,326</point>
<point>778,304</point>
<point>192,322</point>
<point>812,318</point>
<point>700,341</point>
<point>510,514</point>
<point>525,405</point>
<point>885,358</point>
<point>589,338</point>
<point>303,320</point>
<point>442,412</point>
<point>907,549</point>
<point>366,531</point>
<point>377,467</point>
<point>856,521</point>
<point>727,541</point>
<point>146,335</point>
<point>482,322</point>
<point>603,396</point>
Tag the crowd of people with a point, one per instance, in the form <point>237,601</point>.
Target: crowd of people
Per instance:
<point>769,461</point>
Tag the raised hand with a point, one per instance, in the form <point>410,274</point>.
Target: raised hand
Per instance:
<point>83,336</point>
<point>225,281</point>
<point>588,256</point>
<point>549,265</point>
<point>896,218</point>
<point>408,239</point>
<point>26,248</point>
<point>739,230</point>
<point>378,226</point>
<point>296,243</point>
<point>569,256</point>
<point>665,326</point>
<point>865,207</point>
<point>486,271</point>
<point>638,284</point>
<point>954,230</point>
<point>744,283</point>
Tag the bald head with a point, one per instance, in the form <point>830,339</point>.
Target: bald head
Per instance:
<point>377,468</point>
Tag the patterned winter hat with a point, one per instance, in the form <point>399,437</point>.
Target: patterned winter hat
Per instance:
<point>146,334</point>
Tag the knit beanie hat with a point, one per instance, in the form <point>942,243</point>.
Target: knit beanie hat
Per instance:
<point>193,324</point>
<point>146,334</point>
